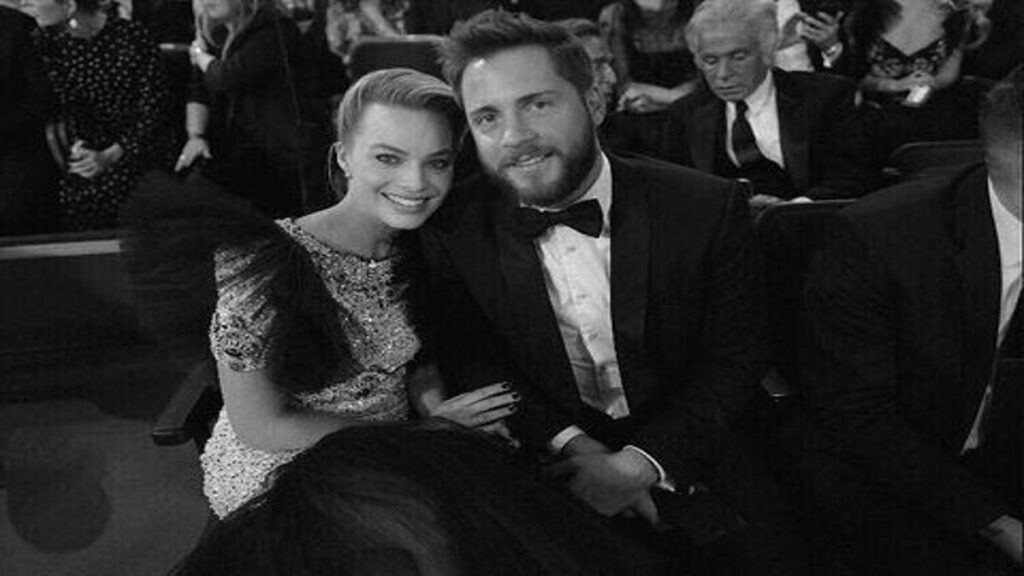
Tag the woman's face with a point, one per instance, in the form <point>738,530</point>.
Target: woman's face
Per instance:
<point>399,163</point>
<point>46,12</point>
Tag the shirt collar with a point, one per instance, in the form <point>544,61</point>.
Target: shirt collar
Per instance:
<point>601,189</point>
<point>762,96</point>
<point>1008,230</point>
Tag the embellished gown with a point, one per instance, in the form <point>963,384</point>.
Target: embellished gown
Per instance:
<point>374,318</point>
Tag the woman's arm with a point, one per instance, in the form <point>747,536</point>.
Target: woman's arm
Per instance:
<point>949,73</point>
<point>264,418</point>
<point>873,83</point>
<point>197,116</point>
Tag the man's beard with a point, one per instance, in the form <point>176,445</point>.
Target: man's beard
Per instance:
<point>577,163</point>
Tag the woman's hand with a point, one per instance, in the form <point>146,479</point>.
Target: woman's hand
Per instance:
<point>196,147</point>
<point>480,408</point>
<point>89,163</point>
<point>199,55</point>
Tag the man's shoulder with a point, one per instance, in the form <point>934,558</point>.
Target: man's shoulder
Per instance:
<point>667,184</point>
<point>917,204</point>
<point>812,82</point>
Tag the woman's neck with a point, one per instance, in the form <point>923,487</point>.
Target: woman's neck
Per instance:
<point>348,230</point>
<point>84,25</point>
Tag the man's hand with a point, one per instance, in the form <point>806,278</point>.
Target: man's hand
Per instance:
<point>1006,535</point>
<point>611,483</point>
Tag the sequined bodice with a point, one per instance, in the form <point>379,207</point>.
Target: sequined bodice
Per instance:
<point>376,325</point>
<point>373,312</point>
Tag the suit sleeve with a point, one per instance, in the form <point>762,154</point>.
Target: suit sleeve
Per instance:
<point>674,146</point>
<point>37,99</point>
<point>257,62</point>
<point>842,159</point>
<point>721,385</point>
<point>851,351</point>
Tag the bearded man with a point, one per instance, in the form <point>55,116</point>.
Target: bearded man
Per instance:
<point>620,297</point>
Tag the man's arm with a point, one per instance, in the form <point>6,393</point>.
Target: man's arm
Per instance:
<point>721,385</point>
<point>853,384</point>
<point>37,100</point>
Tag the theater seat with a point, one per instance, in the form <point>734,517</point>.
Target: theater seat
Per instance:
<point>914,157</point>
<point>416,51</point>
<point>788,236</point>
<point>190,414</point>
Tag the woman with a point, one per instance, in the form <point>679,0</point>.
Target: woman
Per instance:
<point>253,107</point>
<point>114,99</point>
<point>409,499</point>
<point>908,54</point>
<point>651,59</point>
<point>312,330</point>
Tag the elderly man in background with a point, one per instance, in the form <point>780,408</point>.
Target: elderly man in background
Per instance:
<point>789,135</point>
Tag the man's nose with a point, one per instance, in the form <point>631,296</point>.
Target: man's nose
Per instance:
<point>517,131</point>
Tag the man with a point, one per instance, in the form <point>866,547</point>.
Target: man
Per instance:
<point>27,176</point>
<point>791,135</point>
<point>630,327</point>
<point>914,452</point>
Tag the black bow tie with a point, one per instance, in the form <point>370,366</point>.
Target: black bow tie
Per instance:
<point>585,217</point>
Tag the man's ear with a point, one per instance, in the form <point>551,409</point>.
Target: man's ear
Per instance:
<point>596,103</point>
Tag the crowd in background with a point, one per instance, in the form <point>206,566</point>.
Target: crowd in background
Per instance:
<point>90,102</point>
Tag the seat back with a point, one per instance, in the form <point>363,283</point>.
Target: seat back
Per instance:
<point>914,157</point>
<point>789,236</point>
<point>416,51</point>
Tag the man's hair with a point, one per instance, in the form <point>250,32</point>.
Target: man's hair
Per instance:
<point>999,115</point>
<point>757,15</point>
<point>492,31</point>
<point>399,87</point>
<point>581,27</point>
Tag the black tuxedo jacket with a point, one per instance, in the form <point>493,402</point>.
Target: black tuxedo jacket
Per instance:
<point>902,313</point>
<point>823,145</point>
<point>684,283</point>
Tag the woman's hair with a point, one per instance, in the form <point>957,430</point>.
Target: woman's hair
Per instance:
<point>633,16</point>
<point>242,13</point>
<point>492,31</point>
<point>758,15</point>
<point>91,6</point>
<point>402,87</point>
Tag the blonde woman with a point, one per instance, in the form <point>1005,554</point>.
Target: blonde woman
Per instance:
<point>253,106</point>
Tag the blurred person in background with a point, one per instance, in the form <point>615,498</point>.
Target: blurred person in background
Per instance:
<point>254,116</point>
<point>908,56</point>
<point>26,101</point>
<point>114,105</point>
<point>648,41</point>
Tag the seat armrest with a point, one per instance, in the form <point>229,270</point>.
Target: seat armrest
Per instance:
<point>189,414</point>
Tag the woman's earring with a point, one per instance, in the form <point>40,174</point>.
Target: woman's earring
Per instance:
<point>73,23</point>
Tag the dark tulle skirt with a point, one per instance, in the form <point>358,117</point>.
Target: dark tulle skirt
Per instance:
<point>424,499</point>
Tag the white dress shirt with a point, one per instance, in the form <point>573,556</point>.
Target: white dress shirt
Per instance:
<point>577,275</point>
<point>763,117</point>
<point>1008,232</point>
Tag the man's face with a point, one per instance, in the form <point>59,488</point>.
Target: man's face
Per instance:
<point>601,57</point>
<point>534,131</point>
<point>731,59</point>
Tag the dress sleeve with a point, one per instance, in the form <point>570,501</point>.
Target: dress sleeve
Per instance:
<point>240,327</point>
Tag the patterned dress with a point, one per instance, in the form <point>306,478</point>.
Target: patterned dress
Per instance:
<point>111,88</point>
<point>374,316</point>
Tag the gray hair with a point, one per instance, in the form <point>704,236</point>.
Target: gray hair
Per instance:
<point>757,15</point>
<point>401,87</point>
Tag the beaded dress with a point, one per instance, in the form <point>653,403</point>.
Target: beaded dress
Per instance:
<point>375,320</point>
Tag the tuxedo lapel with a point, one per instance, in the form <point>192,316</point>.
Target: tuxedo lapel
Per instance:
<point>707,134</point>
<point>793,129</point>
<point>630,254</point>
<point>526,308</point>
<point>976,259</point>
